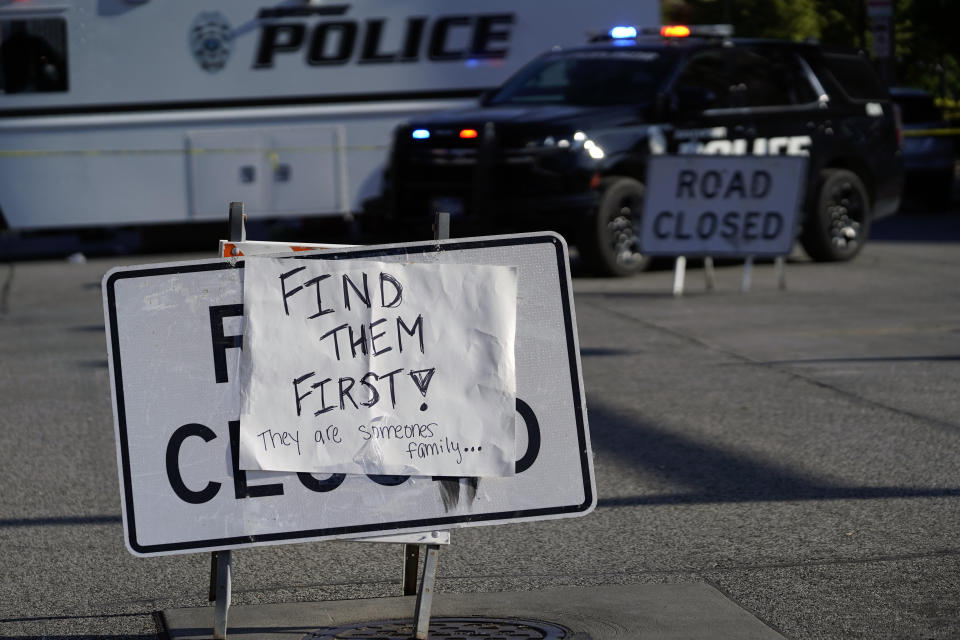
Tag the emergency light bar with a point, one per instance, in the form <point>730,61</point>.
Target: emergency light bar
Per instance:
<point>629,32</point>
<point>424,134</point>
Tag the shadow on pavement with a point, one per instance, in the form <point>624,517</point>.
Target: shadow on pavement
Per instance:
<point>93,636</point>
<point>59,521</point>
<point>868,360</point>
<point>706,474</point>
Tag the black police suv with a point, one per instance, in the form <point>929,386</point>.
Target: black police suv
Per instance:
<point>563,144</point>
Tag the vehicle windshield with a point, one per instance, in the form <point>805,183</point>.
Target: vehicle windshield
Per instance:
<point>599,78</point>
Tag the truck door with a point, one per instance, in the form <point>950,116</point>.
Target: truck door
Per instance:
<point>786,113</point>
<point>708,105</point>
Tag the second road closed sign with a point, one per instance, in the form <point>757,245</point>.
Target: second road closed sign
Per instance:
<point>721,205</point>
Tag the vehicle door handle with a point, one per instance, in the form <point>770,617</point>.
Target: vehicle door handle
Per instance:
<point>825,127</point>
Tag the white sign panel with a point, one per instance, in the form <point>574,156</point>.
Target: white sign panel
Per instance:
<point>363,366</point>
<point>697,205</point>
<point>175,338</point>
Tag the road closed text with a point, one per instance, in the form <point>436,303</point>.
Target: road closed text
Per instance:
<point>720,206</point>
<point>177,334</point>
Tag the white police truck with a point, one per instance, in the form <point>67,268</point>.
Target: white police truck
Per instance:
<point>135,112</point>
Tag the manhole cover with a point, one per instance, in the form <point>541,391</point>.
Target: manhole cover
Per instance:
<point>445,629</point>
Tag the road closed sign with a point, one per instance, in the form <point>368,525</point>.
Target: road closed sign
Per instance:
<point>702,205</point>
<point>176,341</point>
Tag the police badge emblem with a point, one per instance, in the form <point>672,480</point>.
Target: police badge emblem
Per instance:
<point>211,41</point>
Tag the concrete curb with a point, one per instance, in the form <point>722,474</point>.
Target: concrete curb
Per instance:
<point>690,611</point>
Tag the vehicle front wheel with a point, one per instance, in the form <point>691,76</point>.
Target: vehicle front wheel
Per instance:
<point>837,228</point>
<point>610,243</point>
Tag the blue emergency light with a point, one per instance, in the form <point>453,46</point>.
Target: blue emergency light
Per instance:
<point>620,32</point>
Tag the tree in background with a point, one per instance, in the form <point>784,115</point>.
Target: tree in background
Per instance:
<point>790,19</point>
<point>927,48</point>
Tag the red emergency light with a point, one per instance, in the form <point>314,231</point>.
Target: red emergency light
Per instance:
<point>675,31</point>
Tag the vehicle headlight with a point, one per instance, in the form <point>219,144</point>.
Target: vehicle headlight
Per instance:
<point>593,149</point>
<point>549,142</point>
<point>577,140</point>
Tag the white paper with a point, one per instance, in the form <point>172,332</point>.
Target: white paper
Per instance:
<point>360,366</point>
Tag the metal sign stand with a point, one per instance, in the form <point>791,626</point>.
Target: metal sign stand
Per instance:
<point>747,276</point>
<point>441,231</point>
<point>680,269</point>
<point>221,575</point>
<point>780,270</point>
<point>221,572</point>
<point>425,595</point>
<point>680,274</point>
<point>708,272</point>
<point>780,266</point>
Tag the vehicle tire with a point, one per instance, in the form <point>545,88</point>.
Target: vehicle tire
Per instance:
<point>837,227</point>
<point>610,242</point>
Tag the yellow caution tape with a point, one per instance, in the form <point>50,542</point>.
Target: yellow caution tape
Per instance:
<point>271,154</point>
<point>910,133</point>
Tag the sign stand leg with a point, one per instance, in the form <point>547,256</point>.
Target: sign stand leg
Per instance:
<point>425,595</point>
<point>238,230</point>
<point>221,571</point>
<point>747,274</point>
<point>441,225</point>
<point>224,579</point>
<point>411,558</point>
<point>679,273</point>
<point>441,231</point>
<point>780,264</point>
<point>708,273</point>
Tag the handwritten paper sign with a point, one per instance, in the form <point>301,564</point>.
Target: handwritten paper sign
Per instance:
<point>372,367</point>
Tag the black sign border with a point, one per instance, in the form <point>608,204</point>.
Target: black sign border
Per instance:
<point>373,529</point>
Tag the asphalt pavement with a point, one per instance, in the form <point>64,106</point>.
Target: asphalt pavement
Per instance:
<point>789,456</point>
